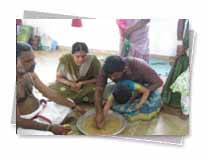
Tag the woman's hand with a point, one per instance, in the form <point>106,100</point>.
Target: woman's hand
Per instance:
<point>73,86</point>
<point>59,130</point>
<point>78,85</point>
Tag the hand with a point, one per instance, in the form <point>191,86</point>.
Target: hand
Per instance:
<point>60,130</point>
<point>78,85</point>
<point>105,112</point>
<point>180,50</point>
<point>132,98</point>
<point>73,86</point>
<point>80,110</point>
<point>100,120</point>
<point>127,32</point>
<point>138,106</point>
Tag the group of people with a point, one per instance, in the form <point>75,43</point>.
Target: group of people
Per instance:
<point>131,91</point>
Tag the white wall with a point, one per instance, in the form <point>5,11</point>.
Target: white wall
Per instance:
<point>104,34</point>
<point>163,36</point>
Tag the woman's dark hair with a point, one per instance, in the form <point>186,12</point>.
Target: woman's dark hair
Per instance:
<point>113,64</point>
<point>122,93</point>
<point>79,46</point>
<point>21,47</point>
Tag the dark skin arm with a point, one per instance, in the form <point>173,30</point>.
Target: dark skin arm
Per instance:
<point>155,85</point>
<point>54,96</point>
<point>49,93</point>
<point>30,124</point>
<point>181,25</point>
<point>145,95</point>
<point>152,87</point>
<point>98,104</point>
<point>180,32</point>
<point>61,79</point>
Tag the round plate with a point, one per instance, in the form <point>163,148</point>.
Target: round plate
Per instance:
<point>92,112</point>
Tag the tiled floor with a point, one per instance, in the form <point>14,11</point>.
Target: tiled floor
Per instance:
<point>164,124</point>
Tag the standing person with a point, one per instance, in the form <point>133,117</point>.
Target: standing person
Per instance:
<point>172,99</point>
<point>134,38</point>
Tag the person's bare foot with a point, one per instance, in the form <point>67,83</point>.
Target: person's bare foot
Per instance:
<point>171,110</point>
<point>174,111</point>
<point>184,117</point>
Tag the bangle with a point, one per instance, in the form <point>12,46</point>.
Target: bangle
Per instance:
<point>180,42</point>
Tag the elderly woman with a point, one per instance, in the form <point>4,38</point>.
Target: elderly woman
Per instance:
<point>76,74</point>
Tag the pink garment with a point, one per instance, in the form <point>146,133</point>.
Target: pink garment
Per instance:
<point>76,23</point>
<point>122,26</point>
<point>139,40</point>
<point>18,22</point>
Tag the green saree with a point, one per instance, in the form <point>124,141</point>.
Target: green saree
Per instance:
<point>87,71</point>
<point>168,97</point>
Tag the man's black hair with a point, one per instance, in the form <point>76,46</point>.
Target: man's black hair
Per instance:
<point>113,64</point>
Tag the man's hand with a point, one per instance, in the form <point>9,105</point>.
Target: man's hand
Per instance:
<point>100,120</point>
<point>80,110</point>
<point>105,112</point>
<point>60,130</point>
